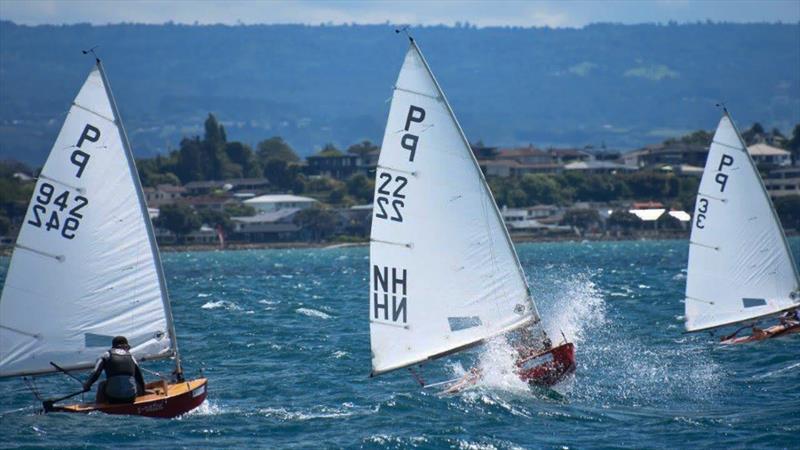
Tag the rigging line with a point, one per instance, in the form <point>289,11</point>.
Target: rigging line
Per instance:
<point>699,300</point>
<point>59,258</point>
<point>35,336</point>
<point>412,173</point>
<point>406,245</point>
<point>728,146</point>
<point>93,112</point>
<point>434,97</point>
<point>723,200</point>
<point>704,245</point>
<point>79,189</point>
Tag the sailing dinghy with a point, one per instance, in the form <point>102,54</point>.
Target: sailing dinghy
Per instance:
<point>444,275</point>
<point>86,266</point>
<point>741,269</point>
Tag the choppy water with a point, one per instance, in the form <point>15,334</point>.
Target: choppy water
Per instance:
<point>283,337</point>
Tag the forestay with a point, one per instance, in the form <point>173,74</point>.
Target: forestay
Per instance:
<point>85,267</point>
<point>443,272</point>
<point>740,265</point>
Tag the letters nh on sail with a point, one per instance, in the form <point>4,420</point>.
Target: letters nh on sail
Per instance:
<point>389,294</point>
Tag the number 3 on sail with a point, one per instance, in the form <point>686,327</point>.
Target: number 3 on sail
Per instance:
<point>444,275</point>
<point>86,261</point>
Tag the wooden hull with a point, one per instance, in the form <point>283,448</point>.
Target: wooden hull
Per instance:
<point>768,333</point>
<point>548,368</point>
<point>166,401</point>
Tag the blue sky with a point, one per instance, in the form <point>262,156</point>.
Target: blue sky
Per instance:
<point>563,13</point>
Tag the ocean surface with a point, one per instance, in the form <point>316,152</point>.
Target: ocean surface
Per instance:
<point>283,337</point>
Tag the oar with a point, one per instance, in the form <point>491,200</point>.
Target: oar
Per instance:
<point>48,404</point>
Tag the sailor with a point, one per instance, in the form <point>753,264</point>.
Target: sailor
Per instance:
<point>124,380</point>
<point>791,317</point>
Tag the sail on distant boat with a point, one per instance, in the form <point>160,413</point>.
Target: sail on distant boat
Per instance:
<point>741,268</point>
<point>85,265</point>
<point>444,275</point>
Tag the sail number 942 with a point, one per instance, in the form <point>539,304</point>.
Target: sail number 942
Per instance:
<point>390,199</point>
<point>55,211</point>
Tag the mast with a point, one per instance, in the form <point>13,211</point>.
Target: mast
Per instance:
<point>483,182</point>
<point>148,223</point>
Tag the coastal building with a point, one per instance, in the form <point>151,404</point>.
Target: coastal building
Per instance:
<point>255,185</point>
<point>524,155</point>
<point>783,181</point>
<point>271,226</point>
<point>673,153</point>
<point>212,202</point>
<point>277,202</point>
<point>163,194</point>
<point>569,155</point>
<point>598,167</point>
<point>511,168</point>
<point>341,166</point>
<point>768,156</point>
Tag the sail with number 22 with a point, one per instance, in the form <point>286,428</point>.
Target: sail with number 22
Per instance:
<point>741,268</point>
<point>444,275</point>
<point>86,266</point>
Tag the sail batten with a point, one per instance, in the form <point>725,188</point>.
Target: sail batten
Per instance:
<point>740,263</point>
<point>85,266</point>
<point>442,266</point>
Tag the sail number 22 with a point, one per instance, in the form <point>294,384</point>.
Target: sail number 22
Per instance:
<point>49,204</point>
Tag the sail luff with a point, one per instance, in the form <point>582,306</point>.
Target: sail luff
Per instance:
<point>769,200</point>
<point>483,182</point>
<point>147,222</point>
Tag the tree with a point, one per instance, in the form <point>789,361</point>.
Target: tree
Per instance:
<point>754,134</point>
<point>360,187</point>
<point>362,148</point>
<point>330,150</point>
<point>216,219</point>
<point>276,148</point>
<point>5,225</point>
<point>581,218</point>
<point>540,189</point>
<point>337,196</point>
<point>281,174</point>
<point>243,156</point>
<point>794,144</point>
<point>319,221</point>
<point>179,219</point>
<point>624,220</point>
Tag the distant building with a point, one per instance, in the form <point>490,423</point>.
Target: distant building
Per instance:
<point>277,202</point>
<point>163,194</point>
<point>783,181</point>
<point>569,155</point>
<point>213,202</point>
<point>511,168</point>
<point>233,184</point>
<point>524,155</point>
<point>675,153</point>
<point>342,165</point>
<point>534,218</point>
<point>356,220</point>
<point>598,167</point>
<point>765,155</point>
<point>267,227</point>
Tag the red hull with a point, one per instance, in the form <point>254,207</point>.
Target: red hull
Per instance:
<point>179,398</point>
<point>548,368</point>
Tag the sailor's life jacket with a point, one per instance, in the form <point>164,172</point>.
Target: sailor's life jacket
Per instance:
<point>124,380</point>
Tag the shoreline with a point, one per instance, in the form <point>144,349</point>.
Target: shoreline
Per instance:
<point>6,250</point>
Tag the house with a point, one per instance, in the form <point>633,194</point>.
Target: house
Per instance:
<point>271,226</point>
<point>512,168</point>
<point>568,155</point>
<point>163,194</point>
<point>672,153</point>
<point>342,165</point>
<point>277,202</point>
<point>356,220</point>
<point>524,155</point>
<point>768,156</point>
<point>598,167</point>
<point>231,184</point>
<point>213,202</point>
<point>783,181</point>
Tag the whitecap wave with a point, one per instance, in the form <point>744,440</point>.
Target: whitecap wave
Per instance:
<point>221,304</point>
<point>313,313</point>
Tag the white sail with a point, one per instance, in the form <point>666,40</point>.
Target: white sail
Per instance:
<point>443,272</point>
<point>740,265</point>
<point>85,267</point>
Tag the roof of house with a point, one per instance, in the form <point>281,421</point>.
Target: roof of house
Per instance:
<point>648,215</point>
<point>596,165</point>
<point>766,150</point>
<point>520,152</point>
<point>279,198</point>
<point>683,216</point>
<point>269,217</point>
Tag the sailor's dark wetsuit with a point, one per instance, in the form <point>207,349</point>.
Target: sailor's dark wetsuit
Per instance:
<point>124,380</point>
